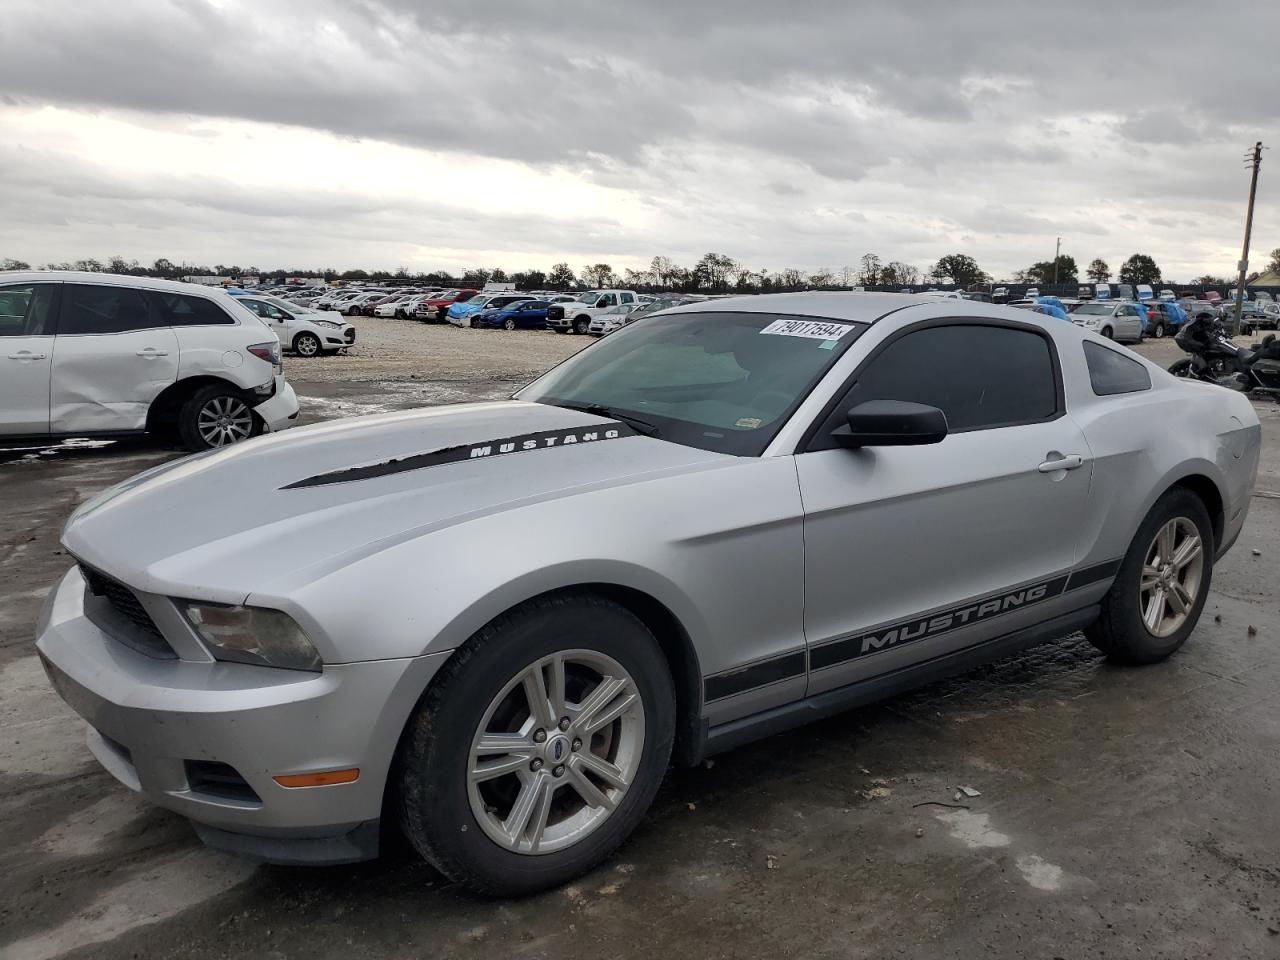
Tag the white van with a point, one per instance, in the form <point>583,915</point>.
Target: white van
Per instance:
<point>93,354</point>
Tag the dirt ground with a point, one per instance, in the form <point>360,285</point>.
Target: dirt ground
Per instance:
<point>1122,812</point>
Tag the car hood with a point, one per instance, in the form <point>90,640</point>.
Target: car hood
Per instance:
<point>301,504</point>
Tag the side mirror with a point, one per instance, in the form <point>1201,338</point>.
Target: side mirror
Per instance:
<point>891,423</point>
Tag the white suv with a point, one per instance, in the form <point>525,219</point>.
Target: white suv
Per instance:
<point>95,354</point>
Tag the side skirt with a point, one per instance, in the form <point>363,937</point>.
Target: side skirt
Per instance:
<point>727,736</point>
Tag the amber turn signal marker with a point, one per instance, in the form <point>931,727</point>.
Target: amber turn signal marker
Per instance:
<point>325,779</point>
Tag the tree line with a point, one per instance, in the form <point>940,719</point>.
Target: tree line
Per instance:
<point>713,273</point>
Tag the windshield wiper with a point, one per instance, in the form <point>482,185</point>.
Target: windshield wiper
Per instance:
<point>600,410</point>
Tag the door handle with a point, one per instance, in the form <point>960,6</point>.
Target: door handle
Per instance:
<point>152,352</point>
<point>1062,463</point>
<point>27,355</point>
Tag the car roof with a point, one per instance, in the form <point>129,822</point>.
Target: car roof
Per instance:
<point>853,307</point>
<point>109,279</point>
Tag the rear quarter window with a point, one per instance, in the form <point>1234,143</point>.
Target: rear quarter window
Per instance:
<point>1111,373</point>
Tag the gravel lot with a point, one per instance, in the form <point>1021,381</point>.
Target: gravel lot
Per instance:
<point>1123,813</point>
<point>409,349</point>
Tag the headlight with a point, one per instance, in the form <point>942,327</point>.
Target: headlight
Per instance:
<point>252,635</point>
<point>326,323</point>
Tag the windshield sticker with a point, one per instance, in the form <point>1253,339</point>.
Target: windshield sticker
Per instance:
<point>610,430</point>
<point>810,329</point>
<point>749,422</point>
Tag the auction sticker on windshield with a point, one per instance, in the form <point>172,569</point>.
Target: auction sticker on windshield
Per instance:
<point>812,329</point>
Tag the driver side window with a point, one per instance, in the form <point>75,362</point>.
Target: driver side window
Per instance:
<point>982,377</point>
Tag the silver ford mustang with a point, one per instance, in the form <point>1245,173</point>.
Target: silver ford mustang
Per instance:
<point>496,624</point>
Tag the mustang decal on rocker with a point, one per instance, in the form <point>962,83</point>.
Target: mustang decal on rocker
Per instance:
<point>892,635</point>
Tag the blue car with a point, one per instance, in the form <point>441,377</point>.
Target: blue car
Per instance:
<point>521,315</point>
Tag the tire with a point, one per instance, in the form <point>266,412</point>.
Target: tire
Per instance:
<point>475,324</point>
<point>508,324</point>
<point>1121,632</point>
<point>1181,368</point>
<point>306,345</point>
<point>441,809</point>
<point>198,428</point>
<point>581,324</point>
<point>1106,332</point>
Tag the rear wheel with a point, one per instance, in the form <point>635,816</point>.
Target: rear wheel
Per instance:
<point>539,747</point>
<point>215,416</point>
<point>1160,590</point>
<point>1158,332</point>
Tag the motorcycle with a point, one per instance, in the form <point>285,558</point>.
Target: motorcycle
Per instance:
<point>1253,371</point>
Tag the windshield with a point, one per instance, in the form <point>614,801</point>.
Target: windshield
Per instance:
<point>289,308</point>
<point>1098,309</point>
<point>717,381</point>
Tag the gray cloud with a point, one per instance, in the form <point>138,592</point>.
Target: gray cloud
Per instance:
<point>790,133</point>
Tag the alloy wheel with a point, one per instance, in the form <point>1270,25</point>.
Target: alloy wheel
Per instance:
<point>307,345</point>
<point>223,420</point>
<point>555,752</point>
<point>1171,576</point>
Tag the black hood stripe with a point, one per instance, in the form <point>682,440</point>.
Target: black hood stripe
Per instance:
<point>610,430</point>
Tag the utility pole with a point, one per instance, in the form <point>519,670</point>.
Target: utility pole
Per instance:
<point>1057,252</point>
<point>1254,159</point>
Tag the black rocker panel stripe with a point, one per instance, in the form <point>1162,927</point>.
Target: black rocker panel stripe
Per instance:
<point>757,675</point>
<point>1088,575</point>
<point>894,635</point>
<point>610,430</point>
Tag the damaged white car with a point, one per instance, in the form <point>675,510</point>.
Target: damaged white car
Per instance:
<point>92,354</point>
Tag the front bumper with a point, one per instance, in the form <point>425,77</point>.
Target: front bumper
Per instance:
<point>281,411</point>
<point>149,720</point>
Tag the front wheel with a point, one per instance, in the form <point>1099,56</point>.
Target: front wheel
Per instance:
<point>508,324</point>
<point>1107,332</point>
<point>306,345</point>
<point>215,416</point>
<point>538,747</point>
<point>1161,587</point>
<point>581,325</point>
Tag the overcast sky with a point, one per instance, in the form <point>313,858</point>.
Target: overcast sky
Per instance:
<point>455,133</point>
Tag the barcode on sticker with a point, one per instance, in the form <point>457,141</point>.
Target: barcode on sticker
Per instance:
<point>813,329</point>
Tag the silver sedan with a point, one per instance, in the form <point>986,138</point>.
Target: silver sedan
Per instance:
<point>716,524</point>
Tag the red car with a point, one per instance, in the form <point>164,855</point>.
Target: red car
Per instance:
<point>433,308</point>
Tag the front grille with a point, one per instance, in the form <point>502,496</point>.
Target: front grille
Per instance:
<point>147,639</point>
<point>555,312</point>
